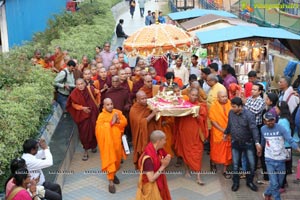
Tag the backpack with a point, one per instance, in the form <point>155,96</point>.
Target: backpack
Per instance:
<point>63,81</point>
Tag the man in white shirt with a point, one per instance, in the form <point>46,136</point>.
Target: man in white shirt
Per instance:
<point>36,160</point>
<point>195,67</point>
<point>181,71</point>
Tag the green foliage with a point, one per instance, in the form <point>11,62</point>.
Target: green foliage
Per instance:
<point>26,91</point>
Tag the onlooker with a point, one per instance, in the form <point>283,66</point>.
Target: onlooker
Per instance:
<point>195,66</point>
<point>252,78</point>
<point>22,181</point>
<point>120,50</point>
<point>36,160</point>
<point>214,68</point>
<point>15,164</point>
<point>273,138</point>
<point>244,133</point>
<point>161,19</point>
<point>132,5</point>
<point>152,163</point>
<point>215,87</point>
<point>227,75</point>
<point>203,81</point>
<point>287,93</point>
<point>152,19</point>
<point>107,55</point>
<point>181,71</point>
<point>148,18</point>
<point>271,101</point>
<point>142,7</point>
<point>285,119</point>
<point>119,30</point>
<point>65,83</point>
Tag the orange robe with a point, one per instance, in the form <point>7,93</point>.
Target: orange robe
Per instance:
<point>202,94</point>
<point>141,129</point>
<point>220,151</point>
<point>150,92</point>
<point>109,139</point>
<point>168,129</point>
<point>189,135</point>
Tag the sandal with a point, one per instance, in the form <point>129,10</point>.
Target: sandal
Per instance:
<point>213,167</point>
<point>85,157</point>
<point>199,182</point>
<point>227,176</point>
<point>94,150</point>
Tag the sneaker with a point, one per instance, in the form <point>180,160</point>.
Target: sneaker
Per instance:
<point>281,190</point>
<point>262,182</point>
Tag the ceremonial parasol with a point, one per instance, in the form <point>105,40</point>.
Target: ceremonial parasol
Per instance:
<point>156,40</point>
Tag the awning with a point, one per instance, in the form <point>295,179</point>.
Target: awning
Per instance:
<point>198,13</point>
<point>209,19</point>
<point>240,32</point>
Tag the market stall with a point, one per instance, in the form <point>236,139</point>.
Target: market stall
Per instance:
<point>245,48</point>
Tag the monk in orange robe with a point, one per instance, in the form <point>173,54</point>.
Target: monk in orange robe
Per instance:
<point>142,122</point>
<point>220,151</point>
<point>152,163</point>
<point>84,111</point>
<point>167,126</point>
<point>190,133</point>
<point>110,127</point>
<point>150,89</point>
<point>196,84</point>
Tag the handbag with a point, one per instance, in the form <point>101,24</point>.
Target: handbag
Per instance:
<point>148,191</point>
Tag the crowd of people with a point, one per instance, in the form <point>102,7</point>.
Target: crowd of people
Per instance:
<point>245,127</point>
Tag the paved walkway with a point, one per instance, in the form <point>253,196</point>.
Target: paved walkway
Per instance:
<point>86,183</point>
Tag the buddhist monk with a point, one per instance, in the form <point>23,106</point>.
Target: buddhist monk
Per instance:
<point>109,130</point>
<point>195,84</point>
<point>190,133</point>
<point>82,107</point>
<point>150,89</point>
<point>152,163</point>
<point>220,150</point>
<point>142,122</point>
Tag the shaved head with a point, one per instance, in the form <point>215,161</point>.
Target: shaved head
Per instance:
<point>141,98</point>
<point>222,97</point>
<point>195,84</point>
<point>156,136</point>
<point>108,105</point>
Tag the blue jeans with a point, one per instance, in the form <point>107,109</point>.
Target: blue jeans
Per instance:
<point>142,10</point>
<point>276,172</point>
<point>248,149</point>
<point>62,101</point>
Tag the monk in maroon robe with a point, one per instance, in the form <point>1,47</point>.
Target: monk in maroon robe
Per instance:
<point>119,96</point>
<point>82,107</point>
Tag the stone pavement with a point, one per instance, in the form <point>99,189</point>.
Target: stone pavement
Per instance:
<point>87,183</point>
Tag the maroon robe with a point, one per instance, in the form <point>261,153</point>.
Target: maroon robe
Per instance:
<point>86,122</point>
<point>120,98</point>
<point>137,86</point>
<point>160,65</point>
